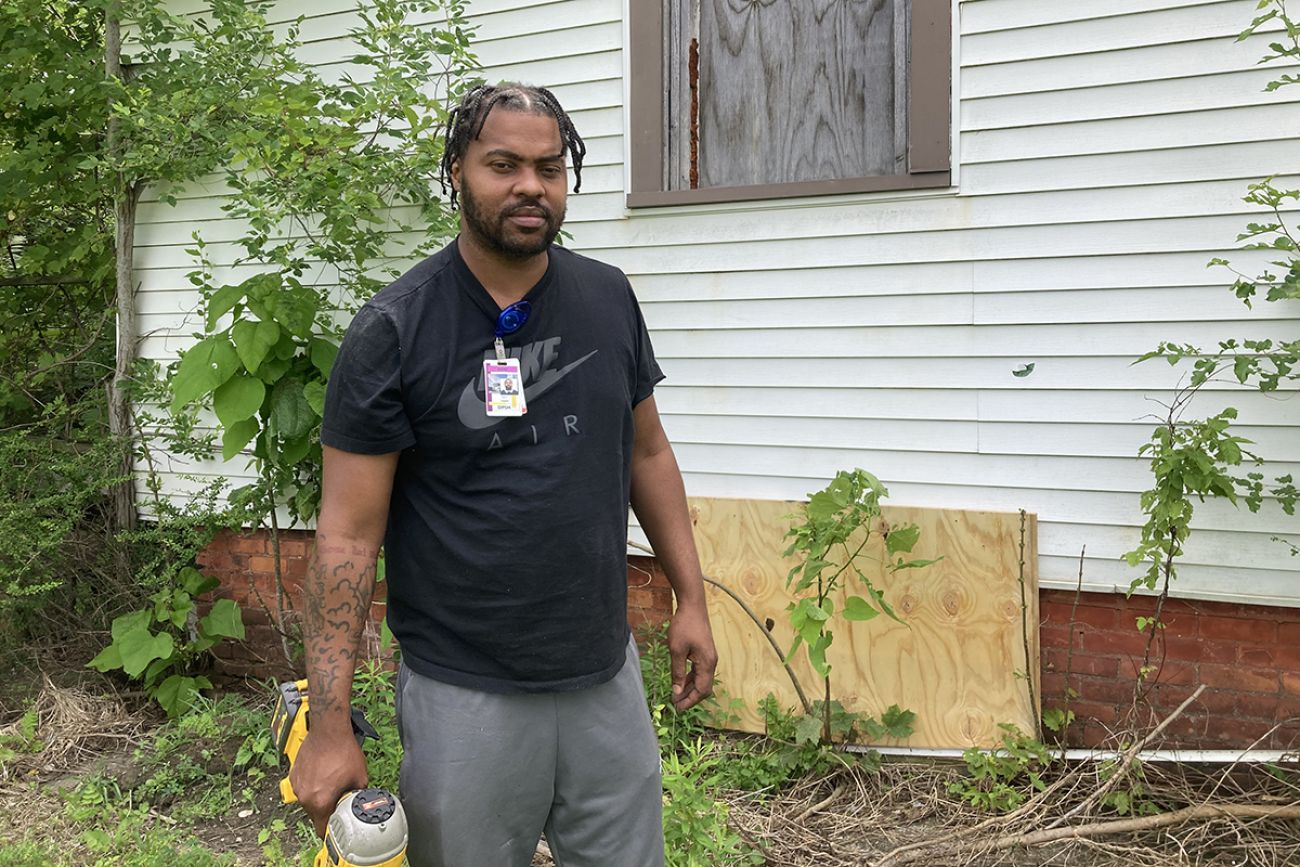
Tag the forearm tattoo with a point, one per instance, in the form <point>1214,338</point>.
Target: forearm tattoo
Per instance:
<point>336,602</point>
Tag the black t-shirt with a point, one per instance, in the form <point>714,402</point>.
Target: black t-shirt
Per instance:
<point>507,537</point>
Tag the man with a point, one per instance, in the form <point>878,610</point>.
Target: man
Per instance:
<point>520,702</point>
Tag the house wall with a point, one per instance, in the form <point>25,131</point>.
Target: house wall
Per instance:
<point>1101,158</point>
<point>1101,151</point>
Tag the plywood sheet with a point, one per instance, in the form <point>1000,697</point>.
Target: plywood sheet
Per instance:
<point>959,660</point>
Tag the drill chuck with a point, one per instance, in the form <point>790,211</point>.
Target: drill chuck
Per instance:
<point>367,829</point>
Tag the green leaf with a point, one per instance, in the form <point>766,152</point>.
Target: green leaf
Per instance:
<point>1055,719</point>
<point>108,659</point>
<point>195,582</point>
<point>178,693</point>
<point>237,436</point>
<point>205,366</point>
<point>221,303</point>
<point>173,607</point>
<point>223,621</point>
<point>898,723</point>
<point>1242,367</point>
<point>238,399</point>
<point>808,730</point>
<point>306,502</point>
<point>841,488</point>
<point>323,353</point>
<point>902,539</point>
<point>291,415</point>
<point>253,340</point>
<point>285,349</point>
<point>130,623</point>
<point>912,564</point>
<point>794,648</point>
<point>202,643</point>
<point>156,669</point>
<point>290,304</point>
<point>314,392</point>
<point>811,631</point>
<point>140,647</point>
<point>294,450</point>
<point>810,610</point>
<point>857,608</point>
<point>885,607</point>
<point>822,506</point>
<point>273,369</point>
<point>817,655</point>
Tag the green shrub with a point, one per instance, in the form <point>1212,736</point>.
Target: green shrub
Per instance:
<point>696,833</point>
<point>1001,779</point>
<point>160,644</point>
<point>52,516</point>
<point>162,641</point>
<point>676,729</point>
<point>372,693</point>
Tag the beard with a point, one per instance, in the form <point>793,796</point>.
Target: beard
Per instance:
<point>494,232</point>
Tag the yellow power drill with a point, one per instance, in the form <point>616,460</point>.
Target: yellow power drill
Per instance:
<point>368,826</point>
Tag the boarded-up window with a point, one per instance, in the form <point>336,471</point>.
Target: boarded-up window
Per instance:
<point>756,98</point>
<point>787,90</point>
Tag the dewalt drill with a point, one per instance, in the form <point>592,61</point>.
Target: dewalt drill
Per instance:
<point>368,827</point>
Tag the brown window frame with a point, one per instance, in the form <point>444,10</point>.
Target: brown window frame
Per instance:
<point>929,146</point>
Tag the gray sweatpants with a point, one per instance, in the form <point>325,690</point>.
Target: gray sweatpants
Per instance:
<point>484,774</point>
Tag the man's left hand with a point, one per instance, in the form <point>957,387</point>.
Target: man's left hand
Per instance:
<point>690,639</point>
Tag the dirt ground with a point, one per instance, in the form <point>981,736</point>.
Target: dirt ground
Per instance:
<point>847,817</point>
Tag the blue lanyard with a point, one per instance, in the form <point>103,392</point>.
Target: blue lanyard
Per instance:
<point>509,321</point>
<point>513,318</point>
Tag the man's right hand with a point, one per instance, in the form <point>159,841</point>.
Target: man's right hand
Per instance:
<point>326,768</point>
<point>355,490</point>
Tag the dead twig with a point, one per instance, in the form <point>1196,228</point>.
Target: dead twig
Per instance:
<point>1289,812</point>
<point>820,805</point>
<point>1126,761</point>
<point>1024,637</point>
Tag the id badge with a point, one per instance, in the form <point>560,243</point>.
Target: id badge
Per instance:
<point>503,387</point>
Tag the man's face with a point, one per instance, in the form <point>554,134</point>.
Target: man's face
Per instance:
<point>513,184</point>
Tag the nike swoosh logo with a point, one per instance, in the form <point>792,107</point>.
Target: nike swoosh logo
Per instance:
<point>473,414</point>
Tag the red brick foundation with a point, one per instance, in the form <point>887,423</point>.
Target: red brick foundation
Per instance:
<point>1248,657</point>
<point>649,596</point>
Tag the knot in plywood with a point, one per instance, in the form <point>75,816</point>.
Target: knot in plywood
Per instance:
<point>753,582</point>
<point>954,601</point>
<point>977,728</point>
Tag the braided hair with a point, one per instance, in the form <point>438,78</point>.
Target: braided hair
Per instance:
<point>465,122</point>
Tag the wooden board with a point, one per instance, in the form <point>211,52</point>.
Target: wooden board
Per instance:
<point>958,663</point>
<point>799,91</point>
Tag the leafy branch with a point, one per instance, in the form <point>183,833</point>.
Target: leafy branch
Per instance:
<point>839,522</point>
<point>1200,458</point>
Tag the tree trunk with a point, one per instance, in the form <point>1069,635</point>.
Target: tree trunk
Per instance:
<point>125,196</point>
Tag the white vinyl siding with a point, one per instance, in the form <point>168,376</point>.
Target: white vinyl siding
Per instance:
<point>1101,154</point>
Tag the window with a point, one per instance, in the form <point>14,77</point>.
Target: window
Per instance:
<point>747,99</point>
